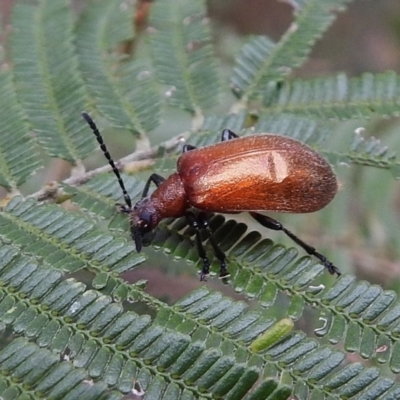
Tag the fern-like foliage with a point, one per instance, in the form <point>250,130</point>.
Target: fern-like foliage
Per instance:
<point>368,152</point>
<point>69,330</point>
<point>261,269</point>
<point>49,85</point>
<point>53,235</point>
<point>18,159</point>
<point>262,62</point>
<point>210,354</point>
<point>339,97</point>
<point>125,95</point>
<point>182,53</point>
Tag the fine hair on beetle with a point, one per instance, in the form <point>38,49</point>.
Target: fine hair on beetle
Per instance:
<point>263,172</point>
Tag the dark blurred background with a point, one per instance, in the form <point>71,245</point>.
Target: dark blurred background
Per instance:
<point>366,37</point>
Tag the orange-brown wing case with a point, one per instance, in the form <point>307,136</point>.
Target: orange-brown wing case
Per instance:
<point>257,173</point>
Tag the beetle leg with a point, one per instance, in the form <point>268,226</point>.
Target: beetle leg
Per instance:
<point>188,147</point>
<point>156,179</point>
<point>227,134</point>
<point>271,223</point>
<point>203,220</point>
<point>205,270</point>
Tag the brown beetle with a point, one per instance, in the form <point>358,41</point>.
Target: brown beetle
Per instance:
<point>249,174</point>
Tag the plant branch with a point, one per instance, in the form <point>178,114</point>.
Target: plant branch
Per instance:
<point>137,159</point>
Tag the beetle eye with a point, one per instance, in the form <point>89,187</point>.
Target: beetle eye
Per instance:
<point>145,220</point>
<point>144,224</point>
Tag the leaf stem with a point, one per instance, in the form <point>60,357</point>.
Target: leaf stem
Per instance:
<point>50,191</point>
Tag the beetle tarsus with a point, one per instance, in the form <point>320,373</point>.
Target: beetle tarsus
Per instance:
<point>223,272</point>
<point>328,264</point>
<point>205,271</point>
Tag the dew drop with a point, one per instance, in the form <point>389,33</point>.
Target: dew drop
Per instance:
<point>170,91</point>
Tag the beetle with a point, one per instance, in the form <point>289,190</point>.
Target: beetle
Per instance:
<point>264,172</point>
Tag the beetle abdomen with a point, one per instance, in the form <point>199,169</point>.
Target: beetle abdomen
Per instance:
<point>257,173</point>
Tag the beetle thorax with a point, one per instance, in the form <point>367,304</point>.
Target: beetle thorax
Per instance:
<point>170,199</point>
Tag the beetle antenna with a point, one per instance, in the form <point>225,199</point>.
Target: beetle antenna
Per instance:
<point>103,147</point>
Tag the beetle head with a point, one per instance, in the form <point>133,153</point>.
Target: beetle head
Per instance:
<point>144,218</point>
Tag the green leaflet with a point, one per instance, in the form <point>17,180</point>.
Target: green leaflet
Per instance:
<point>261,63</point>
<point>338,96</point>
<point>180,41</point>
<point>62,60</point>
<point>18,153</point>
<point>123,90</point>
<point>49,85</point>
